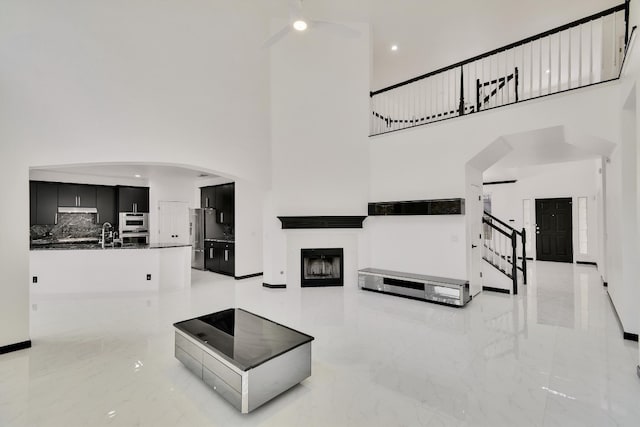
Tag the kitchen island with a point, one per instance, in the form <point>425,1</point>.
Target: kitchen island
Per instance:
<point>245,358</point>
<point>57,268</point>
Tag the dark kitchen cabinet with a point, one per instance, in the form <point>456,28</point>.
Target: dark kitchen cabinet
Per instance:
<point>220,257</point>
<point>77,195</point>
<point>225,203</point>
<point>33,203</point>
<point>133,199</point>
<point>211,262</point>
<point>106,204</point>
<point>208,197</point>
<point>225,252</point>
<point>46,203</point>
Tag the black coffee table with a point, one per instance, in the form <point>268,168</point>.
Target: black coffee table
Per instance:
<point>245,358</point>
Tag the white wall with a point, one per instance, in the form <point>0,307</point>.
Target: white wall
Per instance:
<point>434,244</point>
<point>635,19</point>
<point>83,271</point>
<point>319,123</point>
<point>567,179</point>
<point>249,202</point>
<point>319,126</point>
<point>429,162</point>
<point>167,188</point>
<point>122,81</point>
<point>622,217</point>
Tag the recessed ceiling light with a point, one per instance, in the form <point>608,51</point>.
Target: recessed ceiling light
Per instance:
<point>300,25</point>
<point>138,176</point>
<point>394,47</point>
<point>547,71</point>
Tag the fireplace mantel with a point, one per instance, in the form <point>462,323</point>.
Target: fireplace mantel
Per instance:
<point>306,222</point>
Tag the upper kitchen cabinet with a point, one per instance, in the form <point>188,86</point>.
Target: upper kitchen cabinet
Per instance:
<point>225,203</point>
<point>106,205</point>
<point>77,195</point>
<point>208,197</point>
<point>133,199</point>
<point>46,202</point>
<point>33,203</point>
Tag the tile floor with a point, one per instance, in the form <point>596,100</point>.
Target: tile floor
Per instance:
<point>553,356</point>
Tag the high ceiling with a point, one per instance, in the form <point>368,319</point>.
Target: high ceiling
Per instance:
<point>435,33</point>
<point>128,171</point>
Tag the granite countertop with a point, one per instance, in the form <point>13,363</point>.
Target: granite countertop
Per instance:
<point>96,246</point>
<point>244,339</point>
<point>221,240</point>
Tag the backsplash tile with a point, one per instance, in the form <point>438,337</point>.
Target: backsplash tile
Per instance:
<point>70,225</point>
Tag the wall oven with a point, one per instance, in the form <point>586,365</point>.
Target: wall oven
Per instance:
<point>134,227</point>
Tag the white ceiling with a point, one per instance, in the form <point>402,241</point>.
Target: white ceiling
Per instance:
<point>127,171</point>
<point>541,147</point>
<point>432,34</point>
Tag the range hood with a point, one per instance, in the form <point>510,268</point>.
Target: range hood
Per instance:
<point>78,210</point>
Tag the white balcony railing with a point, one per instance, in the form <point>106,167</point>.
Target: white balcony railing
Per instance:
<point>581,53</point>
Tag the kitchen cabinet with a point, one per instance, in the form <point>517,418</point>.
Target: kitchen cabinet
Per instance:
<point>220,257</point>
<point>76,195</point>
<point>208,197</point>
<point>222,198</point>
<point>225,203</point>
<point>106,204</point>
<point>133,199</point>
<point>33,202</point>
<point>225,252</point>
<point>211,262</point>
<point>46,203</point>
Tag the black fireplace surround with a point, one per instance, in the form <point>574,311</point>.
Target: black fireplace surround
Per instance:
<point>321,267</point>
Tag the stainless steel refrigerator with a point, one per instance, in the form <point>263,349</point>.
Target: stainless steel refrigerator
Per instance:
<point>202,225</point>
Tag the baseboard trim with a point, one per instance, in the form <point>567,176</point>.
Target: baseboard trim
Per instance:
<point>595,264</point>
<point>625,335</point>
<point>270,286</point>
<point>509,181</point>
<point>15,347</point>
<point>248,276</point>
<point>499,290</point>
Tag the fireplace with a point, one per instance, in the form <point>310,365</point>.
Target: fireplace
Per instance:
<point>321,267</point>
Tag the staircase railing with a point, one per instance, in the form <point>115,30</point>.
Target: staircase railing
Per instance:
<point>501,248</point>
<point>584,52</point>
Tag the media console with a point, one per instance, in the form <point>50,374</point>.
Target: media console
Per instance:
<point>435,289</point>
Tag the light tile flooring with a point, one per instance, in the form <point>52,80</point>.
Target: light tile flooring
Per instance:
<point>553,356</point>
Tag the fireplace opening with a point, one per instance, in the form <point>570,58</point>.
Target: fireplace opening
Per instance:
<point>322,267</point>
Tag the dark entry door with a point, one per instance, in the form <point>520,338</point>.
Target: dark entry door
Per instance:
<point>554,235</point>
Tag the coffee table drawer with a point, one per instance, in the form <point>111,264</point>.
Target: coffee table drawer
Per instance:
<point>225,373</point>
<point>222,388</point>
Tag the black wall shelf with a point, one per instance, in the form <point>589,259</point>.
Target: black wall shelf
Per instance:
<point>418,207</point>
<point>301,222</point>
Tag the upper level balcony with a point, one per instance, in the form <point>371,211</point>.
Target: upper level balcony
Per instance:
<point>588,51</point>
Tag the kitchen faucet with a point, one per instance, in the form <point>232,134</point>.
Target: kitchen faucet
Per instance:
<point>105,226</point>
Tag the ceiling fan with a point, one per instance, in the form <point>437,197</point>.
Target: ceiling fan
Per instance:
<point>299,23</point>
